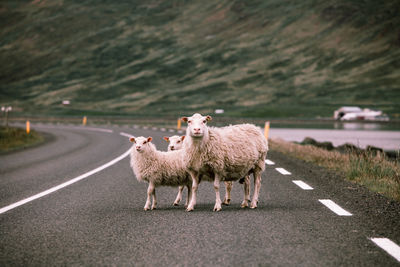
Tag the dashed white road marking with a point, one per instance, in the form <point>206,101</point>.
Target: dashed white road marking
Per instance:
<point>58,187</point>
<point>171,130</point>
<point>389,246</point>
<point>269,162</point>
<point>302,185</point>
<point>335,207</point>
<point>283,171</point>
<point>163,129</point>
<point>154,128</point>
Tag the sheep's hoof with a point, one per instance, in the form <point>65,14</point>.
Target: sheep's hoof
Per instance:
<point>244,205</point>
<point>226,202</point>
<point>253,206</point>
<point>146,208</point>
<point>217,208</point>
<point>153,208</point>
<point>176,204</point>
<point>189,209</point>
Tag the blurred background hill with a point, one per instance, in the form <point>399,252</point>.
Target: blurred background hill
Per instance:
<point>265,58</point>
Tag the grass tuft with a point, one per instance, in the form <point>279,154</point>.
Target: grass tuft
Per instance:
<point>17,138</point>
<point>370,169</point>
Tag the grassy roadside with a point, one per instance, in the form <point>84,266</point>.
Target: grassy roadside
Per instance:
<point>17,138</point>
<point>374,171</point>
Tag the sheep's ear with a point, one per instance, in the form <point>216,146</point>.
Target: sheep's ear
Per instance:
<point>208,118</point>
<point>166,138</point>
<point>185,119</point>
<point>183,137</point>
<point>132,140</point>
<point>149,139</point>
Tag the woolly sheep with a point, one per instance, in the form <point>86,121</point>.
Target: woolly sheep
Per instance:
<point>158,168</point>
<point>175,143</point>
<point>230,153</point>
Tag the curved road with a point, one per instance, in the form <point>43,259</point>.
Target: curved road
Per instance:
<point>99,219</point>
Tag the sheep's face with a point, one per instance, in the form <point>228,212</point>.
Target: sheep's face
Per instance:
<point>141,143</point>
<point>175,142</point>
<point>197,125</point>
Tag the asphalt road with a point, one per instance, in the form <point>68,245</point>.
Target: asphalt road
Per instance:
<point>99,219</point>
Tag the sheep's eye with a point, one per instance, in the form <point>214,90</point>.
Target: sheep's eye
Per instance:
<point>204,121</point>
<point>144,142</point>
<point>189,121</point>
<point>178,142</point>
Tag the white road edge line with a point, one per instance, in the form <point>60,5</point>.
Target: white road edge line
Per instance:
<point>283,171</point>
<point>269,162</point>
<point>96,129</point>
<point>58,187</point>
<point>126,134</point>
<point>335,207</point>
<point>75,128</point>
<point>389,246</point>
<point>302,185</point>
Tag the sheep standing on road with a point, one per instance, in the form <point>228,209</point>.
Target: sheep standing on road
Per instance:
<point>175,143</point>
<point>229,153</point>
<point>158,168</point>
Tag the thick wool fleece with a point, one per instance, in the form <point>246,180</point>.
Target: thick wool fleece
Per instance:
<point>163,168</point>
<point>232,152</point>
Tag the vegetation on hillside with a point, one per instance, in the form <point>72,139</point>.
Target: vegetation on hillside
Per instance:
<point>275,58</point>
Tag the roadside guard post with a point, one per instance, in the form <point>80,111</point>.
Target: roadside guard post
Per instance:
<point>178,126</point>
<point>266,130</point>
<point>84,121</point>
<point>28,127</point>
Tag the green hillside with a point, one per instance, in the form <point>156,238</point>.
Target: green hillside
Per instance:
<point>265,58</point>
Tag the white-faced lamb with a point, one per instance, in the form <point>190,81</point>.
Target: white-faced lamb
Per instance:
<point>158,168</point>
<point>229,153</point>
<point>175,143</point>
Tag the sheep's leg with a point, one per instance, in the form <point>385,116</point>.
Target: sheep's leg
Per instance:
<point>195,185</point>
<point>154,206</point>
<point>217,206</point>
<point>246,187</point>
<point>228,189</point>
<point>189,195</point>
<point>257,186</point>
<point>179,196</point>
<point>150,190</point>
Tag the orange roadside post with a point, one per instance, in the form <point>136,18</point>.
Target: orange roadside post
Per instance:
<point>28,127</point>
<point>178,126</point>
<point>266,130</point>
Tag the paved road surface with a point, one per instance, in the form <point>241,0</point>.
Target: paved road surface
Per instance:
<point>99,220</point>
